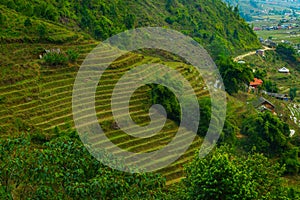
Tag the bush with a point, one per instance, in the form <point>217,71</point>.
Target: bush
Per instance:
<point>54,58</point>
<point>223,175</point>
<point>72,55</point>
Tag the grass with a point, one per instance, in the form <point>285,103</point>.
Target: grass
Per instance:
<point>292,35</point>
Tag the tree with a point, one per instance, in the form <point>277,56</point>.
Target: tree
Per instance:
<point>15,162</point>
<point>235,76</point>
<point>55,59</point>
<point>266,133</point>
<point>223,175</point>
<point>291,160</point>
<point>270,86</point>
<point>293,93</point>
<point>236,34</point>
<point>260,73</point>
<point>287,52</point>
<point>72,55</point>
<point>64,169</point>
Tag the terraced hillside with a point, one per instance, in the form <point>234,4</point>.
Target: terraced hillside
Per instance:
<point>40,101</point>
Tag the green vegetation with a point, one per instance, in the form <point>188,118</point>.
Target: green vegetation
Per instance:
<point>47,173</point>
<point>63,169</point>
<point>270,86</point>
<point>223,175</point>
<point>267,69</point>
<point>234,75</point>
<point>293,93</point>
<point>60,58</point>
<point>208,22</point>
<point>41,157</point>
<point>267,134</point>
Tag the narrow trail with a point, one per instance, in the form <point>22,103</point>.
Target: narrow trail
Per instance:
<point>240,57</point>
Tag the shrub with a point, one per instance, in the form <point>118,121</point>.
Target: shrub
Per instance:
<point>72,55</point>
<point>54,58</point>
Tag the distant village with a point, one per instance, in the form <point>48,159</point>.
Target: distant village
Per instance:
<point>292,27</point>
<point>278,27</point>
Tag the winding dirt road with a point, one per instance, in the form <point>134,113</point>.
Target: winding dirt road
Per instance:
<point>240,57</point>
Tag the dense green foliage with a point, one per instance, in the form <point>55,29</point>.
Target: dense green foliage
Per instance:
<point>287,52</point>
<point>270,86</point>
<point>60,58</point>
<point>223,175</point>
<point>266,132</point>
<point>165,97</point>
<point>211,22</point>
<point>63,169</point>
<point>235,76</point>
<point>293,93</point>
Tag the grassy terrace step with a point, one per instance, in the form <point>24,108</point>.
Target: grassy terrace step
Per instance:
<point>57,84</point>
<point>100,104</point>
<point>61,120</point>
<point>123,140</point>
<point>102,52</point>
<point>173,154</point>
<point>70,76</point>
<point>185,158</point>
<point>122,61</point>
<point>20,84</point>
<point>67,112</point>
<point>108,117</point>
<point>60,99</point>
<point>173,181</point>
<point>67,102</point>
<point>189,152</point>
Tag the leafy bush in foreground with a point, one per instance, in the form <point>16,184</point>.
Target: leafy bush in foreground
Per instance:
<point>64,169</point>
<point>223,175</point>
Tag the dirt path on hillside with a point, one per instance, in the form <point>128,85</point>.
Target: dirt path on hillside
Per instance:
<point>240,57</point>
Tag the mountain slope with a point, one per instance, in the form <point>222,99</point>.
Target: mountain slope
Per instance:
<point>210,22</point>
<point>36,97</point>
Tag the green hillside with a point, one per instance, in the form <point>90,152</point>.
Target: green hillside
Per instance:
<point>36,97</point>
<point>38,137</point>
<point>211,23</point>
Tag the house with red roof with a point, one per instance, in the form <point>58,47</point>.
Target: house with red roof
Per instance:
<point>257,82</point>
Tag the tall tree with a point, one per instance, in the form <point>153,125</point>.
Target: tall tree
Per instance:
<point>266,133</point>
<point>235,76</point>
<point>223,175</point>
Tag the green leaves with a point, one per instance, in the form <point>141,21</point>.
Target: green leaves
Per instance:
<point>266,132</point>
<point>64,169</point>
<point>234,75</point>
<point>293,93</point>
<point>223,175</point>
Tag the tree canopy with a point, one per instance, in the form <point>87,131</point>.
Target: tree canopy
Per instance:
<point>234,75</point>
<point>266,133</point>
<point>223,175</point>
<point>64,169</point>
